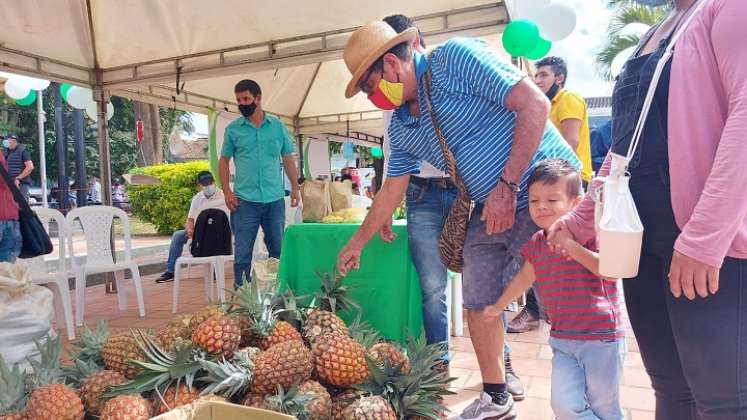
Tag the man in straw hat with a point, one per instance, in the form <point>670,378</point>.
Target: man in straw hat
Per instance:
<point>495,123</point>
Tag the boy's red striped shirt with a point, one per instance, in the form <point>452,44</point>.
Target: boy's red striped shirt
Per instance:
<point>580,305</point>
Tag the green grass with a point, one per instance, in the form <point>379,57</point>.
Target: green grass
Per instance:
<point>137,228</point>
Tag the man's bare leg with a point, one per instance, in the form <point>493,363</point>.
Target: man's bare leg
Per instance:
<point>487,335</point>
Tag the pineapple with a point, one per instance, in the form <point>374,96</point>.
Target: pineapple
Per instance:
<point>284,364</point>
<point>322,322</point>
<point>12,392</point>
<point>219,335</point>
<point>262,327</point>
<point>203,315</point>
<point>49,398</point>
<point>341,401</point>
<point>332,298</point>
<point>339,360</point>
<point>159,369</point>
<point>320,407</point>
<point>94,387</point>
<point>381,352</point>
<point>280,333</point>
<point>119,350</point>
<point>415,394</point>
<point>246,354</point>
<point>225,378</point>
<point>54,401</point>
<point>370,408</point>
<point>291,402</point>
<point>88,347</point>
<point>255,401</point>
<point>175,396</point>
<point>126,407</point>
<point>174,333</point>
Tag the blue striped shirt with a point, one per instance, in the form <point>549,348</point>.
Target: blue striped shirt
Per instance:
<point>469,90</point>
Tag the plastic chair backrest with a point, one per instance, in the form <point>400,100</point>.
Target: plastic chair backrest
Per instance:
<point>97,227</point>
<point>38,265</point>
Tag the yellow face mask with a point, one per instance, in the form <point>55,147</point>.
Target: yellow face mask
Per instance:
<point>388,95</point>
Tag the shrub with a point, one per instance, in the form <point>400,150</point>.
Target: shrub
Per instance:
<point>166,205</point>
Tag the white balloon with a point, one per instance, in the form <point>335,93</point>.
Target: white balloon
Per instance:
<point>556,21</point>
<point>16,89</point>
<point>34,83</point>
<point>634,29</point>
<point>619,61</point>
<point>91,110</point>
<point>109,110</point>
<point>79,97</point>
<point>528,9</point>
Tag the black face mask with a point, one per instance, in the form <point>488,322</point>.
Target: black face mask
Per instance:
<point>553,91</point>
<point>248,110</point>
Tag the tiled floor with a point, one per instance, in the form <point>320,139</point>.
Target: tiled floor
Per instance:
<point>530,353</point>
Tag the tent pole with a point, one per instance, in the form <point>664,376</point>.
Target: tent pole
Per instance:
<point>102,97</point>
<point>61,148</point>
<point>40,117</point>
<point>80,158</point>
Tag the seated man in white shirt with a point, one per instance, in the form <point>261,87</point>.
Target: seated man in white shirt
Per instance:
<point>209,196</point>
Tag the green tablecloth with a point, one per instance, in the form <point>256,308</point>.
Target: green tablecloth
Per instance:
<point>386,286</point>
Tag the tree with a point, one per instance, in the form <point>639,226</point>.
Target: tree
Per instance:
<point>626,12</point>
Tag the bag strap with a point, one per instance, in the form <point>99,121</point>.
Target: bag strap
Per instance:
<point>22,203</point>
<point>448,156</point>
<point>657,75</point>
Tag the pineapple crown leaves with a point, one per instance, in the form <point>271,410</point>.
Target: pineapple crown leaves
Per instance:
<point>79,371</point>
<point>225,378</point>
<point>161,368</point>
<point>12,388</point>
<point>384,380</point>
<point>333,294</point>
<point>291,402</point>
<point>287,303</point>
<point>363,333</point>
<point>46,368</point>
<point>88,346</point>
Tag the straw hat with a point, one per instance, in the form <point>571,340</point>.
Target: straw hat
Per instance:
<point>366,45</point>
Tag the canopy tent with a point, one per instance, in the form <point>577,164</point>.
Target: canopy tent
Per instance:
<point>190,53</point>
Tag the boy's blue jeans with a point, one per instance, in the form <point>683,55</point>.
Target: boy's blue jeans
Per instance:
<point>245,222</point>
<point>586,378</point>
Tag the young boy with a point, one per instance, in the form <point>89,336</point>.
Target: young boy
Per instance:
<point>586,337</point>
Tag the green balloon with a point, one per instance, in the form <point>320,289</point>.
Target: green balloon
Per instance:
<point>520,37</point>
<point>64,88</point>
<point>377,153</point>
<point>541,50</point>
<point>28,100</point>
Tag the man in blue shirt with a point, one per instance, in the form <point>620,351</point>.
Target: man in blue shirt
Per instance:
<point>260,146</point>
<point>495,123</point>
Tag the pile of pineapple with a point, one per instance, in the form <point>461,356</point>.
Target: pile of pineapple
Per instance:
<point>261,349</point>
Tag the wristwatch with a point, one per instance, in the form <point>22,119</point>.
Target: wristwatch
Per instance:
<point>511,185</point>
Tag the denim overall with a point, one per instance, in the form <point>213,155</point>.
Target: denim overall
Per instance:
<point>694,351</point>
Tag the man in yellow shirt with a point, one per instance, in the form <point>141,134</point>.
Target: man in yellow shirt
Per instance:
<point>569,114</point>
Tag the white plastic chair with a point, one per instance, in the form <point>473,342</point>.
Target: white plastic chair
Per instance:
<point>58,278</point>
<point>97,227</point>
<point>214,268</point>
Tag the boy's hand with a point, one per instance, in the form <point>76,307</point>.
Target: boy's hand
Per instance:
<point>564,238</point>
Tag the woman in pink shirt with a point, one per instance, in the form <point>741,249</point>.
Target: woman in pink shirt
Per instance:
<point>688,305</point>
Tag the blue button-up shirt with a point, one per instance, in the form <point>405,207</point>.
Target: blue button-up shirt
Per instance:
<point>469,90</point>
<point>257,154</point>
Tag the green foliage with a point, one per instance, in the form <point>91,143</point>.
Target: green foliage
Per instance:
<point>626,12</point>
<point>166,205</point>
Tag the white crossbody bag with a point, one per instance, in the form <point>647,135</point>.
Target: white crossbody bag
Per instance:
<point>619,228</point>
